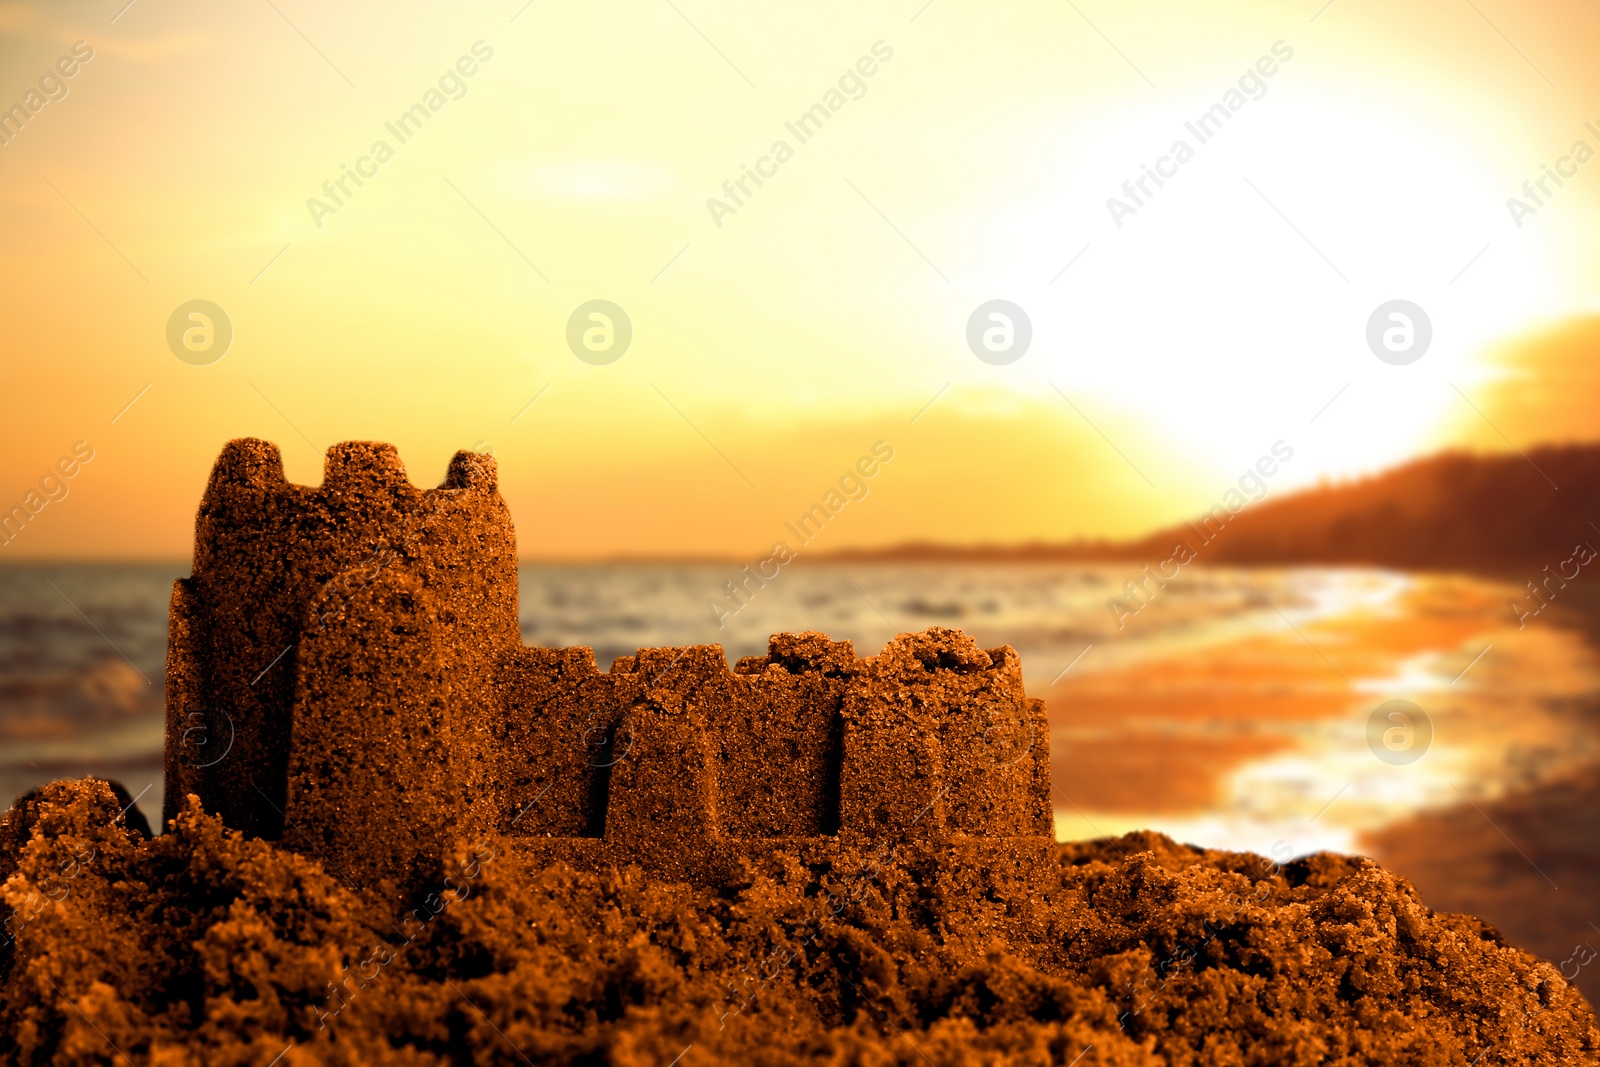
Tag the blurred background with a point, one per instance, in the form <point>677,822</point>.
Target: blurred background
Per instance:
<point>1235,364</point>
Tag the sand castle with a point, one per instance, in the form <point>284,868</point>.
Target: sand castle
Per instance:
<point>346,675</point>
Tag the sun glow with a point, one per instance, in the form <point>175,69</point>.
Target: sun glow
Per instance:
<point>1188,308</point>
<point>1230,304</point>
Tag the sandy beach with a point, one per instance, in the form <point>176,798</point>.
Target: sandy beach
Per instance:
<point>1259,742</point>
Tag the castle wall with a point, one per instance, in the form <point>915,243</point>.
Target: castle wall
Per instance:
<point>780,738</point>
<point>550,754</point>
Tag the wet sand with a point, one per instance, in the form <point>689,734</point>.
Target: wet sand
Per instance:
<point>1528,861</point>
<point>1528,864</point>
<point>1259,743</point>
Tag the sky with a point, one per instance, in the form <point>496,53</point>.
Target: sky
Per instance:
<point>957,154</point>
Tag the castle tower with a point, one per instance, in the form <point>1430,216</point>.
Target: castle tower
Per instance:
<point>334,629</point>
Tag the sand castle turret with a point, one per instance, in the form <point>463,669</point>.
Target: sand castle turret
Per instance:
<point>346,675</point>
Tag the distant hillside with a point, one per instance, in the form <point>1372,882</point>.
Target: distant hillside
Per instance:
<point>1451,511</point>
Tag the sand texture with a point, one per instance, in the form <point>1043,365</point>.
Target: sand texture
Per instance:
<point>203,946</point>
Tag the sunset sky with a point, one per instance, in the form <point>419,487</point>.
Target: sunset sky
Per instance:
<point>776,342</point>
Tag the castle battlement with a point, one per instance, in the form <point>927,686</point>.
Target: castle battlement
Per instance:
<point>346,675</point>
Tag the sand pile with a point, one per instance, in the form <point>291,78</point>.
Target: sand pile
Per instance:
<point>202,946</point>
